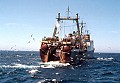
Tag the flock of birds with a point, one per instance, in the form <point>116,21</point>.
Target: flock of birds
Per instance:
<point>33,39</point>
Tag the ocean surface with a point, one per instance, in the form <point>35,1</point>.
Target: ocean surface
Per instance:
<point>26,67</point>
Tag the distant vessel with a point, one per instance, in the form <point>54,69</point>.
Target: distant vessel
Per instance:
<point>71,49</point>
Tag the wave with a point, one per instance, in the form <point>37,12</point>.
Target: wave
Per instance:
<point>53,64</point>
<point>18,55</point>
<point>41,65</point>
<point>61,81</point>
<point>33,71</point>
<point>106,59</point>
<point>19,66</point>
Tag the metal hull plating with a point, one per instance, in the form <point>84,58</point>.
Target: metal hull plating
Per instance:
<point>74,58</point>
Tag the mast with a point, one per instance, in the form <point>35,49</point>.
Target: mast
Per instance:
<point>69,18</point>
<point>78,25</point>
<point>55,30</point>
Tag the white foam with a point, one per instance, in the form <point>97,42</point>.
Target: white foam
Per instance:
<point>105,58</point>
<point>18,60</point>
<point>19,66</point>
<point>42,65</point>
<point>53,64</point>
<point>54,80</point>
<point>33,71</point>
<point>57,73</point>
<point>18,56</point>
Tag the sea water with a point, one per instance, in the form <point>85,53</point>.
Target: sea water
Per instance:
<point>26,67</point>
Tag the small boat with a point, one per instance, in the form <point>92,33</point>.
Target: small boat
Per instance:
<point>72,49</point>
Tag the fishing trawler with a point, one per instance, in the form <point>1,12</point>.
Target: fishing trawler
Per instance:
<point>71,48</point>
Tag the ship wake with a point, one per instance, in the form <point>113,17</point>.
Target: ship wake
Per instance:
<point>41,65</point>
<point>53,64</point>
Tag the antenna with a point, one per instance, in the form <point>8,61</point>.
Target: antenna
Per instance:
<point>68,11</point>
<point>87,31</point>
<point>82,25</point>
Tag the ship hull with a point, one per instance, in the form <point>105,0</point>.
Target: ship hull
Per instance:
<point>78,56</point>
<point>74,57</point>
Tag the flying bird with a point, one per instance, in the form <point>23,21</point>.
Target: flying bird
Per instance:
<point>13,47</point>
<point>28,42</point>
<point>34,39</point>
<point>31,35</point>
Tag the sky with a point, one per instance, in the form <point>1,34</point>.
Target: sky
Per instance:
<point>23,23</point>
